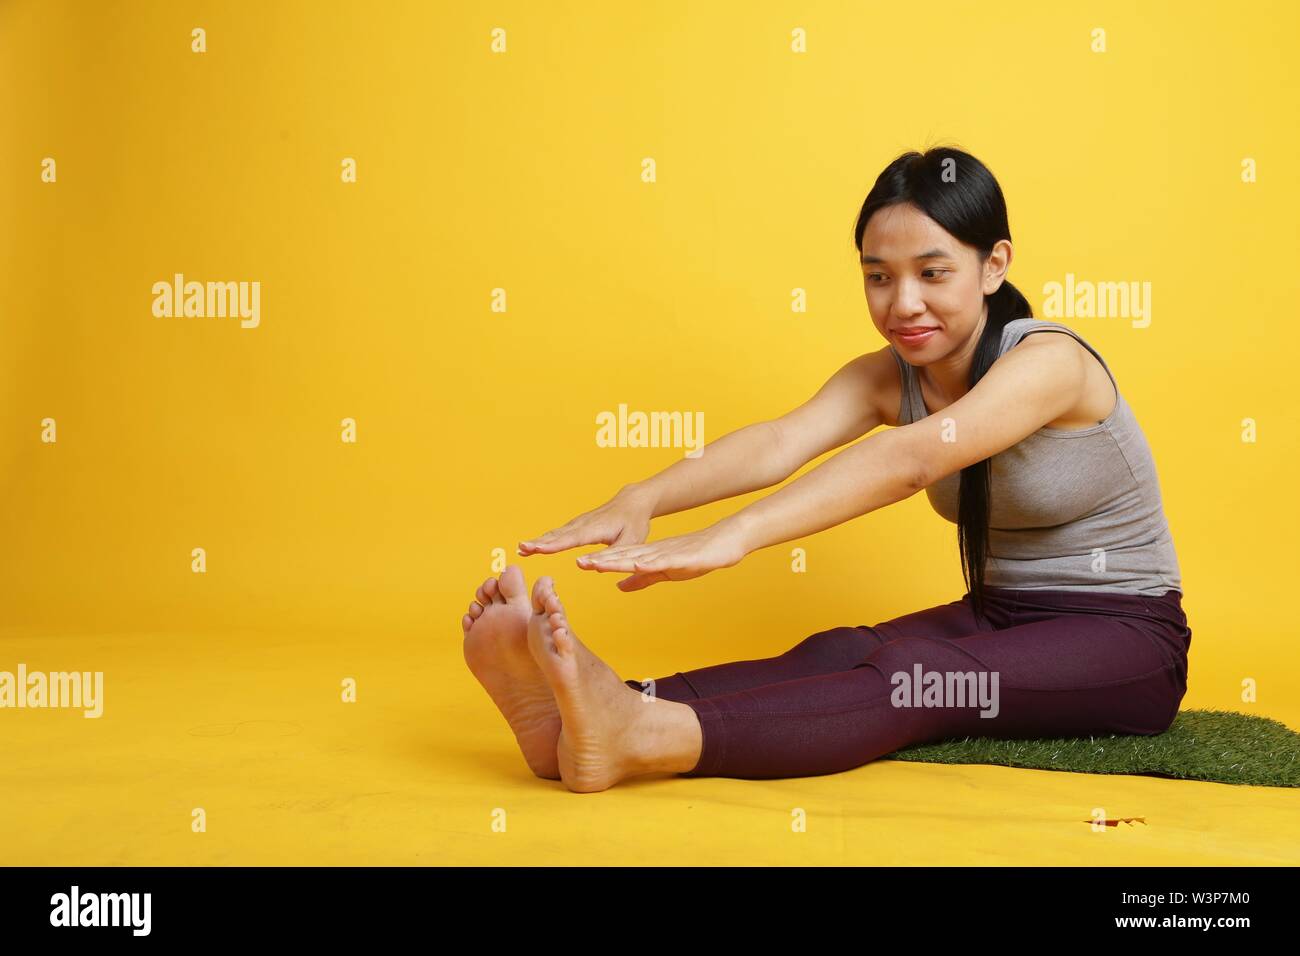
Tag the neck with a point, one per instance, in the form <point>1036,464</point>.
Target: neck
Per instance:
<point>949,377</point>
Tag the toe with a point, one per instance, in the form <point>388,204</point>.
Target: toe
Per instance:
<point>541,638</point>
<point>466,622</point>
<point>562,640</point>
<point>553,603</point>
<point>475,609</point>
<point>513,585</point>
<point>541,588</point>
<point>482,597</point>
<point>492,591</point>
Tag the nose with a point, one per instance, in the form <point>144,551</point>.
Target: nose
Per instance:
<point>908,301</point>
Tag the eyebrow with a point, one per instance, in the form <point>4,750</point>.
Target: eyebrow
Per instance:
<point>932,254</point>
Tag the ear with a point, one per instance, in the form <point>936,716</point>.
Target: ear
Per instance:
<point>996,266</point>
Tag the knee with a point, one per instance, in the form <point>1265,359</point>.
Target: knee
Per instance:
<point>906,652</point>
<point>838,648</point>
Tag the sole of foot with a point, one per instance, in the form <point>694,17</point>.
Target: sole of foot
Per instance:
<point>497,652</point>
<point>599,729</point>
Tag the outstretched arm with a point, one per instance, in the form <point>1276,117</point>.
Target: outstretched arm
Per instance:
<point>766,453</point>
<point>756,456</point>
<point>1031,385</point>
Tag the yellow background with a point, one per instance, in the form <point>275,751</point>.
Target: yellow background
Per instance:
<point>476,428</point>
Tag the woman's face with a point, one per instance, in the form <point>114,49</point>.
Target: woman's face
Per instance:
<point>917,276</point>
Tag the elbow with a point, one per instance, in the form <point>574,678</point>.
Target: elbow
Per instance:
<point>916,476</point>
<point>916,469</point>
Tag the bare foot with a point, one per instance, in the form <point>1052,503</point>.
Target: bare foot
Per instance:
<point>608,732</point>
<point>496,650</point>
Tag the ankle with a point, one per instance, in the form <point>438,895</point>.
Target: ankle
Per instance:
<point>664,736</point>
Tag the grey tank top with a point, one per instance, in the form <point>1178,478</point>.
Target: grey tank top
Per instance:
<point>1074,510</point>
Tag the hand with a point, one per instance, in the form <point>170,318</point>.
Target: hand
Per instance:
<point>623,520</point>
<point>678,558</point>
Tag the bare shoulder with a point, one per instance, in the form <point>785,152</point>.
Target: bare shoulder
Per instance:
<point>1080,372</point>
<point>885,383</point>
<point>1026,389</point>
<point>860,395</point>
<point>871,382</point>
<point>1061,351</point>
<point>1062,341</point>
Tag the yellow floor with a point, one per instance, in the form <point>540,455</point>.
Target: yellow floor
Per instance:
<point>250,727</point>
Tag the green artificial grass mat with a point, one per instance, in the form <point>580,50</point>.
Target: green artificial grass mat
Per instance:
<point>1215,745</point>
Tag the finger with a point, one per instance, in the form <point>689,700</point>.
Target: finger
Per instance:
<point>555,540</point>
<point>605,562</point>
<point>609,564</point>
<point>542,545</point>
<point>619,554</point>
<point>659,557</point>
<point>638,582</point>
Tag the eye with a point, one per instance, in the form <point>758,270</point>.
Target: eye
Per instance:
<point>926,272</point>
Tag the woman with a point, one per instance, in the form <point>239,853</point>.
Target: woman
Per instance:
<point>1072,622</point>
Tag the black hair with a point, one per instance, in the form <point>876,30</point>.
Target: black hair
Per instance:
<point>959,193</point>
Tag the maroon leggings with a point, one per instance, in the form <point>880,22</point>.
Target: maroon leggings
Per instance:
<point>1066,663</point>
